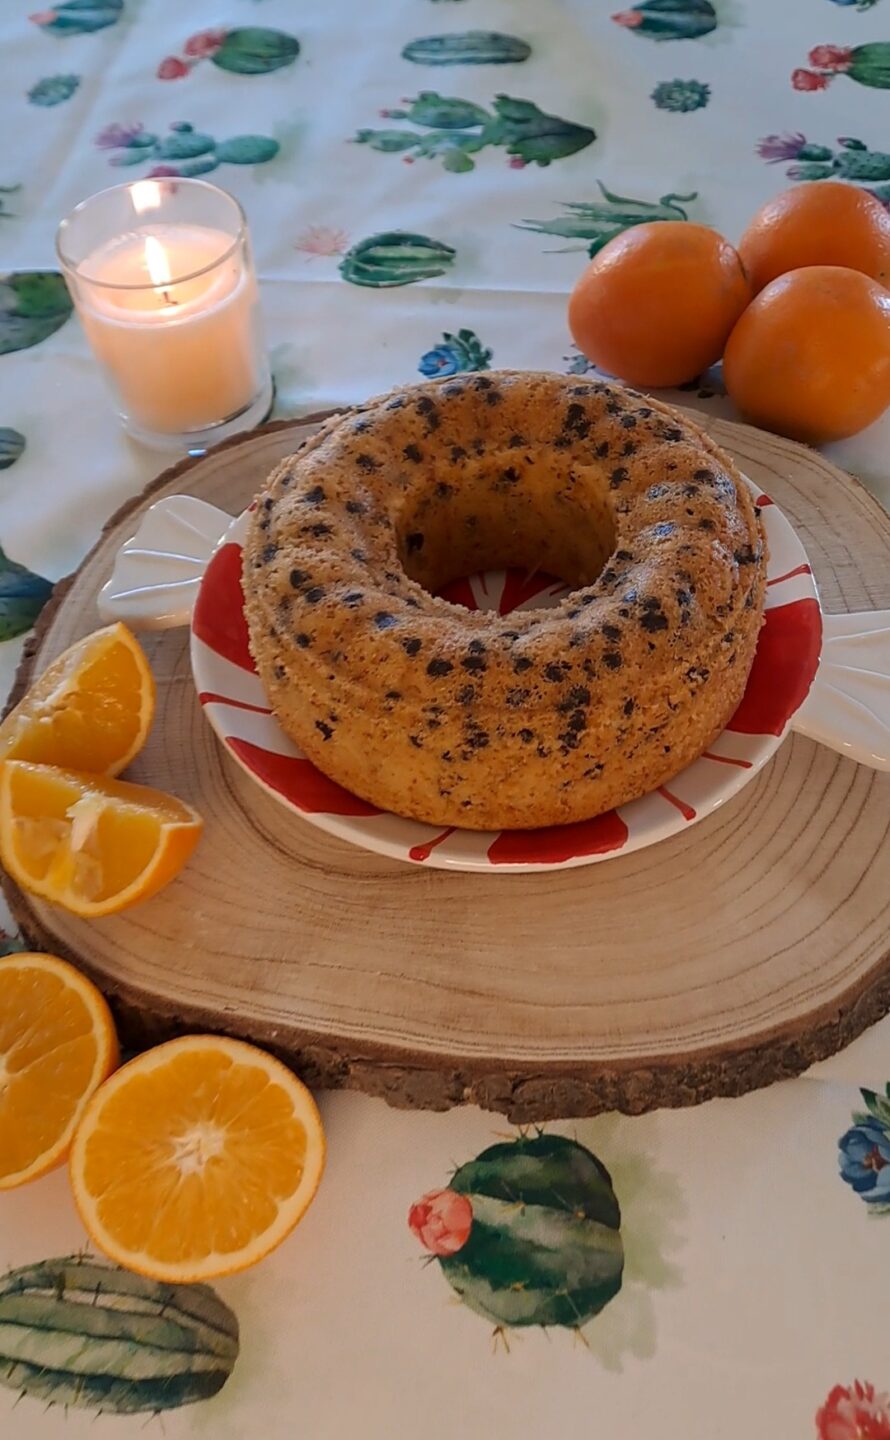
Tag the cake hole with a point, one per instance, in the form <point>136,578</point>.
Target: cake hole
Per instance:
<point>509,512</point>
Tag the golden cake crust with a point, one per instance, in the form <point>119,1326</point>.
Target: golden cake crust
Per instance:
<point>454,717</point>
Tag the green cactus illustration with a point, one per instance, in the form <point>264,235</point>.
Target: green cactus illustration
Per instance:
<point>12,446</point>
<point>22,597</point>
<point>77,1331</point>
<point>53,90</point>
<point>473,47</point>
<point>459,129</point>
<point>866,64</point>
<point>246,50</point>
<point>681,96</point>
<point>79,17</point>
<point>185,151</point>
<point>669,19</point>
<point>252,50</point>
<point>598,221</point>
<point>528,1233</point>
<point>34,304</point>
<point>852,160</point>
<point>395,257</point>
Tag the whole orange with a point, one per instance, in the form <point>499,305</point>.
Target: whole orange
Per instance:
<point>823,222</point>
<point>657,303</point>
<point>810,357</point>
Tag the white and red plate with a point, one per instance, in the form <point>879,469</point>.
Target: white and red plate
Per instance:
<point>827,676</point>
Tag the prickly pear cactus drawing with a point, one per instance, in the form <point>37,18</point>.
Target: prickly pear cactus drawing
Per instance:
<point>22,597</point>
<point>83,1332</point>
<point>34,304</point>
<point>53,90</point>
<point>395,257</point>
<point>681,96</point>
<point>598,221</point>
<point>455,354</point>
<point>12,446</point>
<point>866,64</point>
<point>458,129</point>
<point>852,160</point>
<point>528,1233</point>
<point>247,50</point>
<point>856,4</point>
<point>669,19</point>
<point>185,151</point>
<point>473,47</point>
<point>79,17</point>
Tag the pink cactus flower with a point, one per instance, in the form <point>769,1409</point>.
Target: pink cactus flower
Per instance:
<point>775,148</point>
<point>516,162</point>
<point>206,42</point>
<point>854,1413</point>
<point>116,137</point>
<point>442,1221</point>
<point>172,68</point>
<point>831,57</point>
<point>43,17</point>
<point>809,80</point>
<point>407,159</point>
<point>629,18</point>
<point>160,172</point>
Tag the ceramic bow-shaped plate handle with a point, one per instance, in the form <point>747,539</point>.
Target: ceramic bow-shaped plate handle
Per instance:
<point>157,573</point>
<point>848,706</point>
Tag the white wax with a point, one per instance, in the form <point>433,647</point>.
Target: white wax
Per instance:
<point>182,355</point>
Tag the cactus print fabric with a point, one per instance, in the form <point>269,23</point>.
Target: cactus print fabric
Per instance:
<point>424,181</point>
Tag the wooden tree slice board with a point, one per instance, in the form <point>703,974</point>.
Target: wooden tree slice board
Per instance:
<point>730,956</point>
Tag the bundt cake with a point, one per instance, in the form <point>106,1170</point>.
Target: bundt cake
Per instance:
<point>453,717</point>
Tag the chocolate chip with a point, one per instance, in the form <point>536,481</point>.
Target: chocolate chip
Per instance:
<point>628,707</point>
<point>319,530</point>
<point>474,664</point>
<point>663,529</point>
<point>303,640</point>
<point>416,742</point>
<point>355,507</point>
<point>629,447</point>
<point>326,730</point>
<point>280,672</point>
<point>476,647</point>
<point>360,556</point>
<point>413,452</point>
<point>601,450</point>
<point>397,403</point>
<point>516,442</point>
<point>629,422</point>
<point>426,407</point>
<point>522,663</point>
<point>268,503</point>
<point>612,632</point>
<point>576,421</point>
<point>314,496</point>
<point>393,695</point>
<point>269,553</point>
<point>414,541</point>
<point>577,697</point>
<point>367,463</point>
<point>526,736</point>
<point>623,555</point>
<point>510,476</point>
<point>439,667</point>
<point>482,382</point>
<point>412,645</point>
<point>703,475</point>
<point>458,453</point>
<point>355,597</point>
<point>443,489</point>
<point>298,578</point>
<point>493,397</point>
<point>315,594</point>
<point>612,658</point>
<point>654,620</point>
<point>705,524</point>
<point>384,621</point>
<point>617,477</point>
<point>466,696</point>
<point>555,671</point>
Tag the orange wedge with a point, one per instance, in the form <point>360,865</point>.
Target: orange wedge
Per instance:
<point>93,845</point>
<point>57,1044</point>
<point>91,710</point>
<point>196,1159</point>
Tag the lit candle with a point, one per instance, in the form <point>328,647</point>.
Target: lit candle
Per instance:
<point>170,307</point>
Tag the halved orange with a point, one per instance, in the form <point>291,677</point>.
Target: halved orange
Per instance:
<point>196,1159</point>
<point>57,1044</point>
<point>90,844</point>
<point>91,710</point>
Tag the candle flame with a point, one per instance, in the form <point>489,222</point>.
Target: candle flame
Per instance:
<point>156,262</point>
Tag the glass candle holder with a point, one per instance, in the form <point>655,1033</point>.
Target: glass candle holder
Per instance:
<point>162,277</point>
